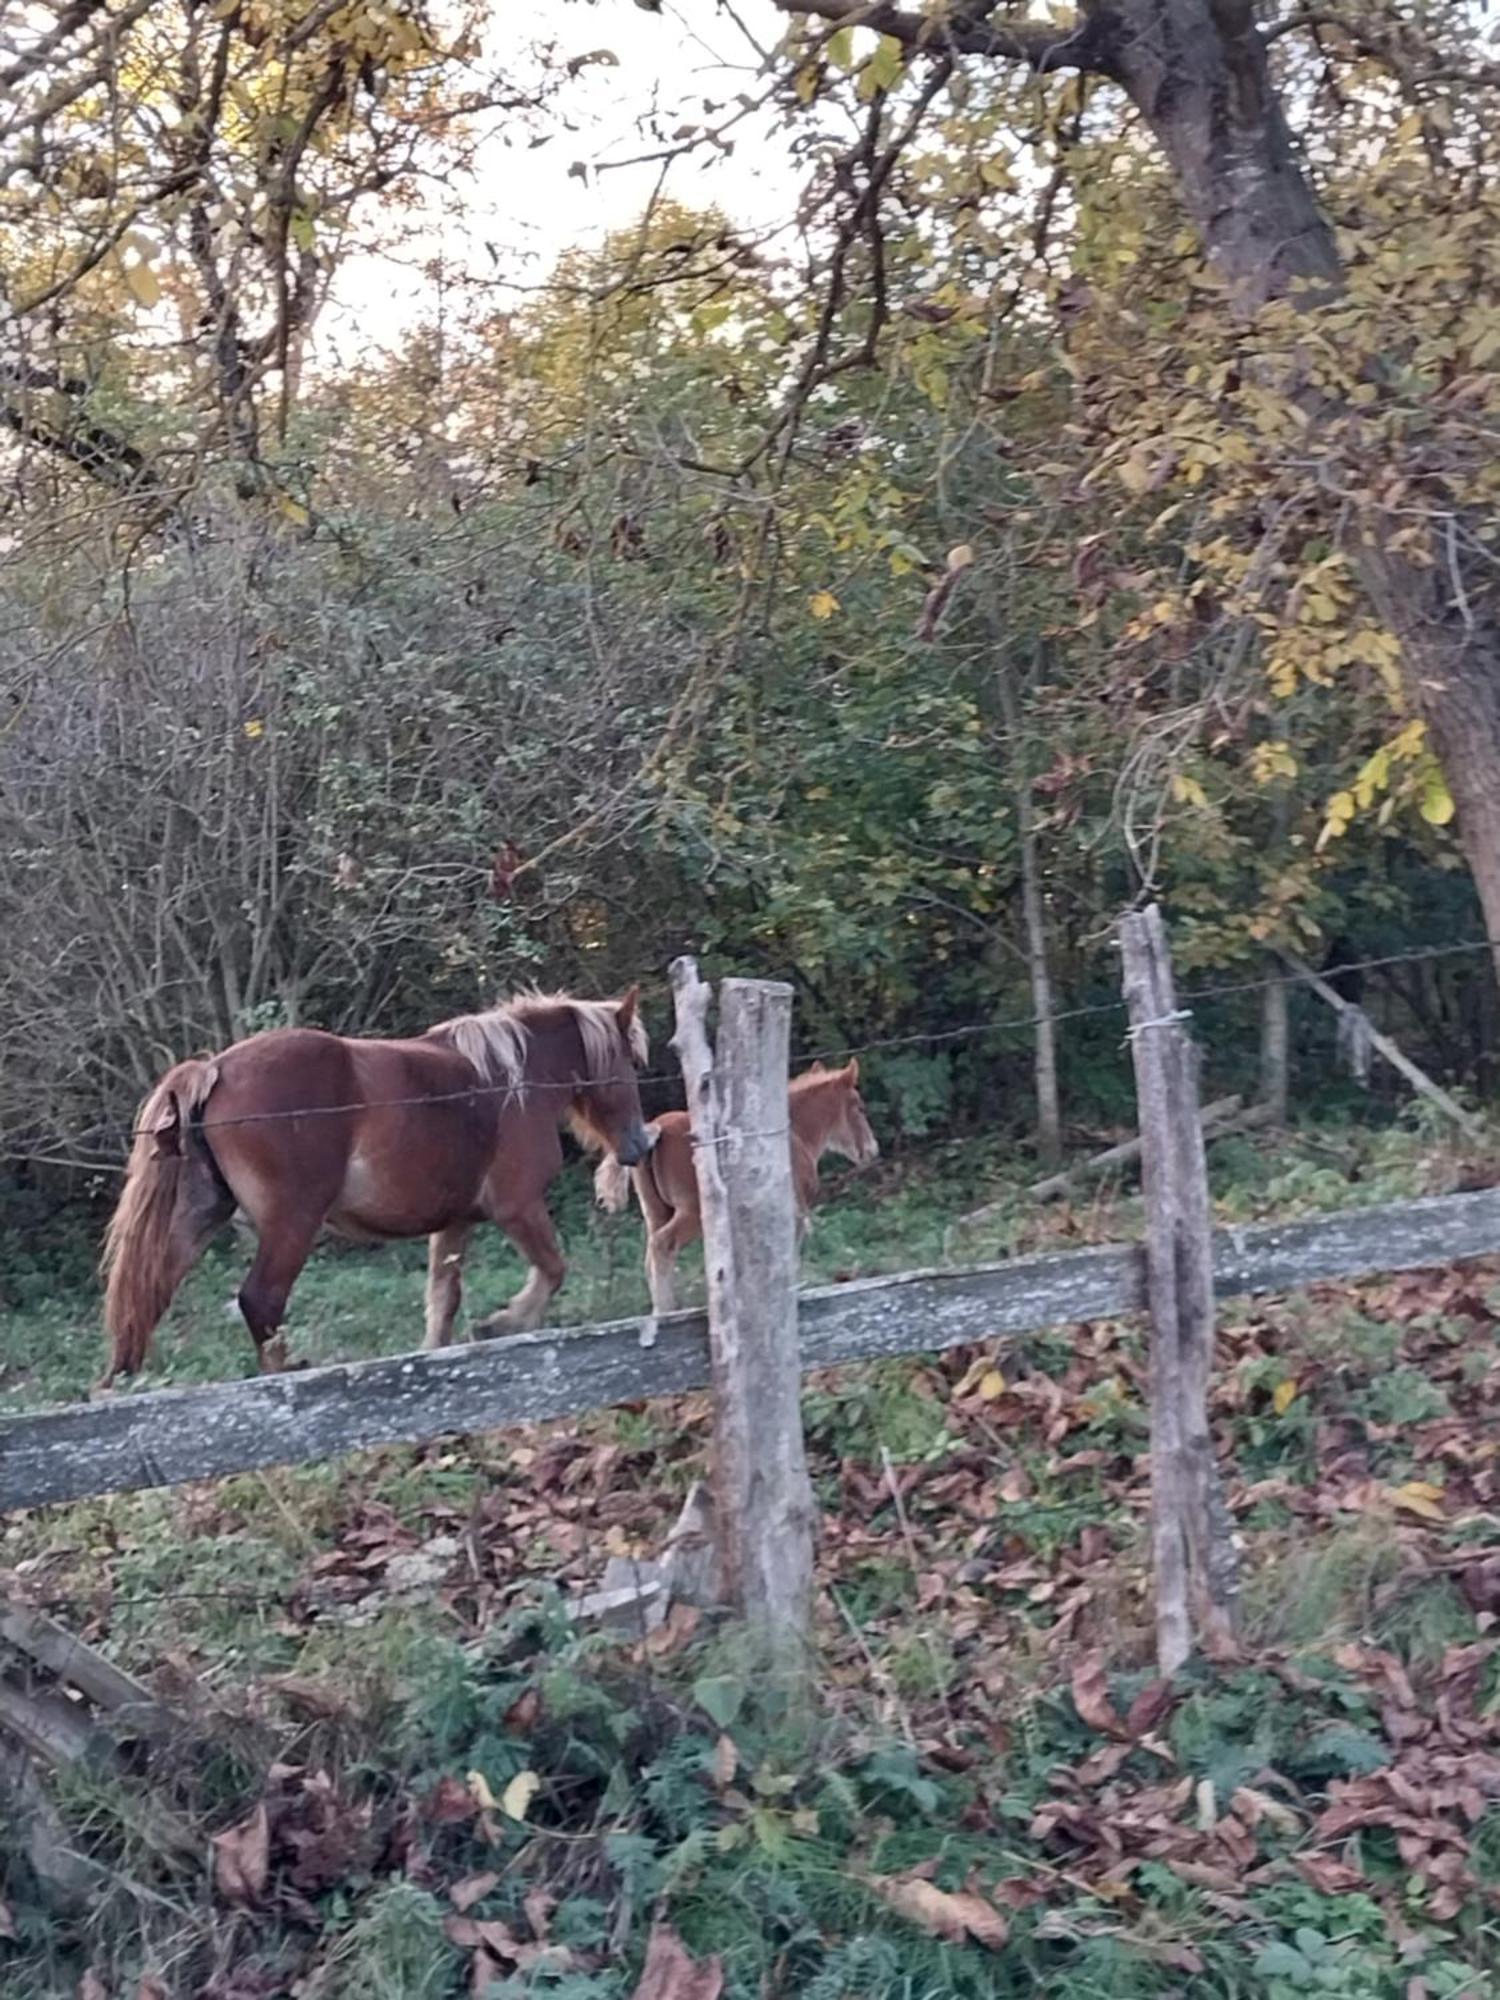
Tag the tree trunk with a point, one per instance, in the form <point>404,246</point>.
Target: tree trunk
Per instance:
<point>1034,917</point>
<point>1197,72</point>
<point>1275,1048</point>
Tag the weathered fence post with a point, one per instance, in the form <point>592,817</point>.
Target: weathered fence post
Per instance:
<point>737,1098</point>
<point>1197,1581</point>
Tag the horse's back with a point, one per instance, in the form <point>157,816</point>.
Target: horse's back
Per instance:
<point>670,1165</point>
<point>381,1138</point>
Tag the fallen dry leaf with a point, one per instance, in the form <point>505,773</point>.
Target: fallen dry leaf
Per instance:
<point>524,1713</point>
<point>151,1988</point>
<point>7,1922</point>
<point>539,1905</point>
<point>1328,1875</point>
<point>488,1934</point>
<point>1148,1708</point>
<point>448,1801</point>
<point>92,1987</point>
<point>1091,1696</point>
<point>726,1762</point>
<point>671,1973</point>
<point>956,1916</point>
<point>473,1889</point>
<point>1420,1497</point>
<point>242,1858</point>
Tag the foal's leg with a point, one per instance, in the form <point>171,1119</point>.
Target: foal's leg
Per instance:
<point>445,1285</point>
<point>658,1216</point>
<point>285,1246</point>
<point>663,1248</point>
<point>530,1229</point>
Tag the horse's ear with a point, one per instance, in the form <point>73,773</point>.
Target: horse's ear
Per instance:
<point>851,1070</point>
<point>627,1005</point>
<point>818,1068</point>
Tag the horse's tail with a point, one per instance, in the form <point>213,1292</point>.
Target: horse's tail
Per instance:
<point>611,1185</point>
<point>173,1200</point>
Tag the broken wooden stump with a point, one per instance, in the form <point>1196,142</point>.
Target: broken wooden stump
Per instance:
<point>635,1594</point>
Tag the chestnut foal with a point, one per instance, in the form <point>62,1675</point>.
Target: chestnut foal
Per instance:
<point>827,1115</point>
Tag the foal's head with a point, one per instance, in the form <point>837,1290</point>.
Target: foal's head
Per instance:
<point>605,1110</point>
<point>844,1127</point>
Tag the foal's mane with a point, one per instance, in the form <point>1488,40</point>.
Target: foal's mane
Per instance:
<point>495,1041</point>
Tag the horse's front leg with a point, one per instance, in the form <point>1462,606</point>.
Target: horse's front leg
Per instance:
<point>445,1284</point>
<point>533,1235</point>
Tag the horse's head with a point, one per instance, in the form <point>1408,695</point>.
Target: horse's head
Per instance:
<point>606,1106</point>
<point>850,1134</point>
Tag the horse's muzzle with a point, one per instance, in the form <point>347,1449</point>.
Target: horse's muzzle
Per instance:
<point>632,1150</point>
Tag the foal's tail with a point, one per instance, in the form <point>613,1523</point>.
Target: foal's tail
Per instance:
<point>611,1185</point>
<point>173,1200</point>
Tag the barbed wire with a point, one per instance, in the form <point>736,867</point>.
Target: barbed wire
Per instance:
<point>932,1038</point>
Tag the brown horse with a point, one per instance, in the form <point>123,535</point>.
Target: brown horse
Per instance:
<point>373,1140</point>
<point>827,1115</point>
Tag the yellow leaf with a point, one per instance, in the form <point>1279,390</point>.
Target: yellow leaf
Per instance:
<point>822,604</point>
<point>479,1791</point>
<point>1135,473</point>
<point>991,1385</point>
<point>1187,791</point>
<point>255,730</point>
<point>1437,801</point>
<point>805,84</point>
<point>973,1375</point>
<point>1419,1497</point>
<point>294,510</point>
<point>515,1800</point>
<point>143,284</point>
<point>1284,1396</point>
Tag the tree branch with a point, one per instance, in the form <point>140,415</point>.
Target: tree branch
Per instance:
<point>1039,45</point>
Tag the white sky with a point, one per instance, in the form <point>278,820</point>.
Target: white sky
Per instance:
<point>525,203</point>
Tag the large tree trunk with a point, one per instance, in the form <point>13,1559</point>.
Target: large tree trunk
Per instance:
<point>1197,72</point>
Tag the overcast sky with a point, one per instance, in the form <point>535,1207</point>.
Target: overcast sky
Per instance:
<point>525,202</point>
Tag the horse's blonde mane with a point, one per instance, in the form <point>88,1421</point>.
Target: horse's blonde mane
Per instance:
<point>494,1042</point>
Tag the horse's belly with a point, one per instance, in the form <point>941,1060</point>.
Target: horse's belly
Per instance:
<point>381,1200</point>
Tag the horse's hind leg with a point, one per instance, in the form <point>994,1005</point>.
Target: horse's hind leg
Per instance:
<point>285,1246</point>
<point>445,1285</point>
<point>533,1235</point>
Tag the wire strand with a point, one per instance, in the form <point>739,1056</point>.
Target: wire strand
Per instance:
<point>935,1038</point>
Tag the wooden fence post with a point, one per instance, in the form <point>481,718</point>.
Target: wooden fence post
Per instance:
<point>737,1099</point>
<point>1196,1564</point>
